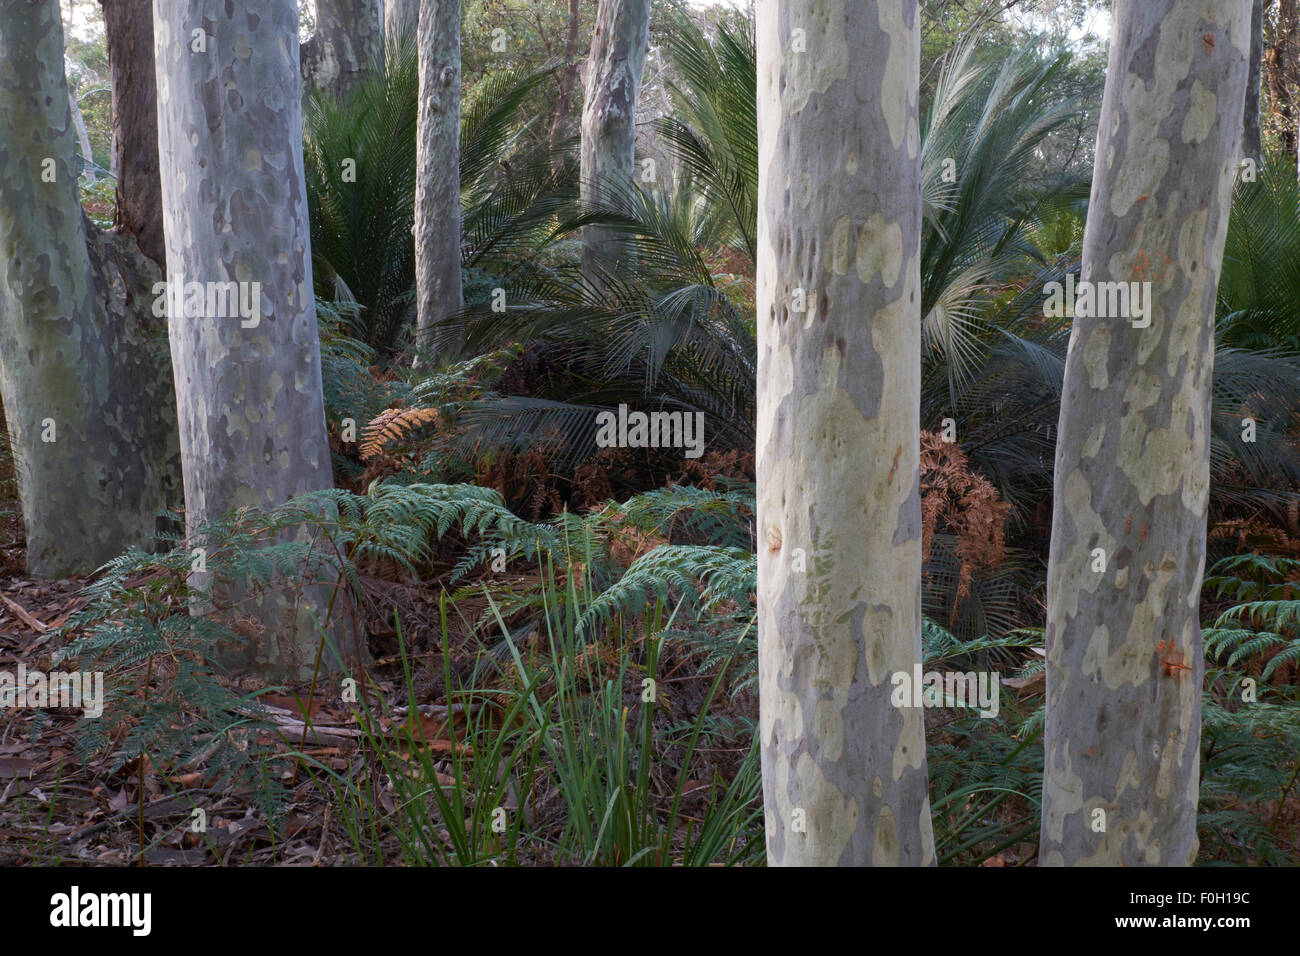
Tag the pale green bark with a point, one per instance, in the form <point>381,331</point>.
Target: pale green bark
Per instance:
<point>1124,660</point>
<point>437,166</point>
<point>839,511</point>
<point>618,50</point>
<point>85,383</point>
<point>252,416</point>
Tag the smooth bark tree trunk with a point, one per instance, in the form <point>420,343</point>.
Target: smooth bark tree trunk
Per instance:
<point>618,52</point>
<point>401,21</point>
<point>437,184</point>
<point>252,421</point>
<point>1124,659</point>
<point>128,33</point>
<point>568,81</point>
<point>839,507</point>
<point>347,45</point>
<point>83,139</point>
<point>86,389</point>
<point>1251,142</point>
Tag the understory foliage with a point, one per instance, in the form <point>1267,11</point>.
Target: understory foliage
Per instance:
<point>587,613</point>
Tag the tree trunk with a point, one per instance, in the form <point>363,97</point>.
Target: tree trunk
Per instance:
<point>1124,659</point>
<point>128,32</point>
<point>1251,143</point>
<point>83,139</point>
<point>618,51</point>
<point>252,421</point>
<point>839,508</point>
<point>86,391</point>
<point>568,80</point>
<point>347,45</point>
<point>401,21</point>
<point>437,184</point>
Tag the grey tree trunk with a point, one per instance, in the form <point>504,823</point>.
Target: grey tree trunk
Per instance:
<point>252,421</point>
<point>401,20</point>
<point>1124,659</point>
<point>86,389</point>
<point>618,51</point>
<point>839,508</point>
<point>437,166</point>
<point>83,139</point>
<point>347,44</point>
<point>128,33</point>
<point>1251,144</point>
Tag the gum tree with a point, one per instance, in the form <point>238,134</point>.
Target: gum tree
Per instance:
<point>401,19</point>
<point>617,56</point>
<point>87,392</point>
<point>252,416</point>
<point>347,44</point>
<point>437,169</point>
<point>839,511</point>
<point>1124,660</point>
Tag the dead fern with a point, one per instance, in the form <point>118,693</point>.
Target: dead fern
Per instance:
<point>967,506</point>
<point>391,425</point>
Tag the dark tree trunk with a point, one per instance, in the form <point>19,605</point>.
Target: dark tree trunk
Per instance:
<point>568,80</point>
<point>128,29</point>
<point>1251,142</point>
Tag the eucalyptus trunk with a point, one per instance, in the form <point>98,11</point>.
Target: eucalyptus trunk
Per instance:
<point>437,171</point>
<point>347,44</point>
<point>839,362</point>
<point>618,52</point>
<point>401,20</point>
<point>1124,660</point>
<point>252,422</point>
<point>86,387</point>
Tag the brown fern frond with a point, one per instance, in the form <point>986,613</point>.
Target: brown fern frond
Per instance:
<point>392,424</point>
<point>966,503</point>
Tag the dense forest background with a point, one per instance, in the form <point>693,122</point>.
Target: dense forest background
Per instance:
<point>528,648</point>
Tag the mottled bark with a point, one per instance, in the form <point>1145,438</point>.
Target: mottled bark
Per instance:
<point>86,389</point>
<point>347,45</point>
<point>252,421</point>
<point>839,508</point>
<point>437,170</point>
<point>618,51</point>
<point>1124,659</point>
<point>568,81</point>
<point>1251,145</point>
<point>128,32</point>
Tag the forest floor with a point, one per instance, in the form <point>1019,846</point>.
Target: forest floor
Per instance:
<point>60,805</point>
